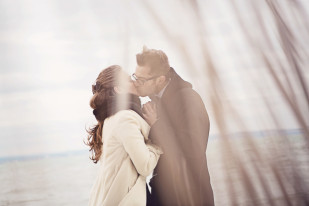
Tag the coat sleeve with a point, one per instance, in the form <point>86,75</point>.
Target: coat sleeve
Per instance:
<point>144,157</point>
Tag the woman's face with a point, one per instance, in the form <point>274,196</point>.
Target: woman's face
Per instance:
<point>125,84</point>
<point>132,88</point>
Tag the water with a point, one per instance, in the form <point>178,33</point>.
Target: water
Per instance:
<point>48,181</point>
<point>67,180</point>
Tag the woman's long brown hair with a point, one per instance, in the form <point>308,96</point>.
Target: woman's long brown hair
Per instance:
<point>103,92</point>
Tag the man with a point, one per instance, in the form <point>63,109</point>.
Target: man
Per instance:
<point>180,125</point>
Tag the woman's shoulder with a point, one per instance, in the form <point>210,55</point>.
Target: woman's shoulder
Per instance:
<point>129,115</point>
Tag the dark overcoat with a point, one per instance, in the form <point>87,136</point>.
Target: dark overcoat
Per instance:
<point>181,176</point>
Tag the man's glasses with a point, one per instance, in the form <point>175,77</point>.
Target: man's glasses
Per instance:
<point>142,81</point>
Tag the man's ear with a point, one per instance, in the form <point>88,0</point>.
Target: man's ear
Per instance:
<point>161,79</point>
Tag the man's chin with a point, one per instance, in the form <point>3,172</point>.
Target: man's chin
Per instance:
<point>141,94</point>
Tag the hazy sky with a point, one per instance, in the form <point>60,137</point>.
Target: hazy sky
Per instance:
<point>51,51</point>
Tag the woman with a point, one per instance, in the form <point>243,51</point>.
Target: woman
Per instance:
<point>119,142</point>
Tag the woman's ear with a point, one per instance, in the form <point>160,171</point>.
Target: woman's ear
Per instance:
<point>118,90</point>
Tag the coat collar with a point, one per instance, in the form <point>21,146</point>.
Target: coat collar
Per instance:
<point>110,106</point>
<point>176,83</point>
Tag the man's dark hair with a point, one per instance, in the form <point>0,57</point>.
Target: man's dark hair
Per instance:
<point>155,59</point>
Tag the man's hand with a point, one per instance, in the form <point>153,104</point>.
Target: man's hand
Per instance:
<point>150,113</point>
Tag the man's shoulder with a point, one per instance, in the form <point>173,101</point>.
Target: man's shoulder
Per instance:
<point>179,91</point>
<point>186,93</point>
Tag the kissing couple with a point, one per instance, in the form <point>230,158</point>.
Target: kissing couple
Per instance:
<point>166,137</point>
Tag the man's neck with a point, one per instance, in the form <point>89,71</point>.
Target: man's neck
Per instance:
<point>162,89</point>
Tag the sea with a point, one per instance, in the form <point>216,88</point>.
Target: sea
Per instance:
<point>67,178</point>
<point>47,180</point>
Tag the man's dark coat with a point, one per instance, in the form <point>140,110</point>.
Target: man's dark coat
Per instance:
<point>181,176</point>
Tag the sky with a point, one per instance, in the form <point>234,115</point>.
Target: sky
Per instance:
<point>51,52</point>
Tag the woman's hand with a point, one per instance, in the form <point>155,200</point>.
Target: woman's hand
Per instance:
<point>150,113</point>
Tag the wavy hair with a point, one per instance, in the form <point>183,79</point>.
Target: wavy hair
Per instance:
<point>103,94</point>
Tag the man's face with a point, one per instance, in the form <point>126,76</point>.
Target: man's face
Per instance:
<point>146,84</point>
